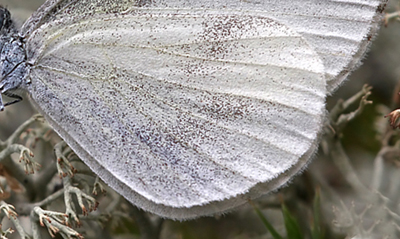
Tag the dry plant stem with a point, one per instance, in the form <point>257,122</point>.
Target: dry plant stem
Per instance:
<point>22,233</point>
<point>379,161</point>
<point>386,151</point>
<point>28,209</point>
<point>25,209</point>
<point>347,217</point>
<point>50,198</point>
<point>83,184</point>
<point>68,201</point>
<point>3,234</point>
<point>26,156</point>
<point>340,157</point>
<point>342,161</point>
<point>9,211</point>
<point>378,171</point>
<point>9,147</point>
<point>344,218</point>
<point>16,134</point>
<point>15,148</point>
<point>343,119</point>
<point>333,147</point>
<point>338,122</point>
<point>394,216</point>
<point>69,189</point>
<point>341,105</point>
<point>64,167</point>
<point>20,175</point>
<point>55,223</point>
<point>35,226</point>
<point>30,166</point>
<point>390,16</point>
<point>393,191</point>
<point>111,212</point>
<point>98,186</point>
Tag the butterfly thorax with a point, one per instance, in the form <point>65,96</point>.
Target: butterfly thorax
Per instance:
<point>13,66</point>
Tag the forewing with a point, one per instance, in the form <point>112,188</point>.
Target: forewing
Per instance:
<point>185,113</point>
<point>339,31</point>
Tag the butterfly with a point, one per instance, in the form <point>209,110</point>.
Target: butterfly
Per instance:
<point>187,108</point>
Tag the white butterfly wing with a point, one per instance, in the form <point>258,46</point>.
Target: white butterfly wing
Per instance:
<point>340,31</point>
<point>186,112</point>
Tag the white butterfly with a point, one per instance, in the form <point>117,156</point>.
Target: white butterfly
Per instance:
<point>187,107</point>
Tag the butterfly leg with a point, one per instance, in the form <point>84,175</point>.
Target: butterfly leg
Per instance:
<point>17,98</point>
<point>4,90</point>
